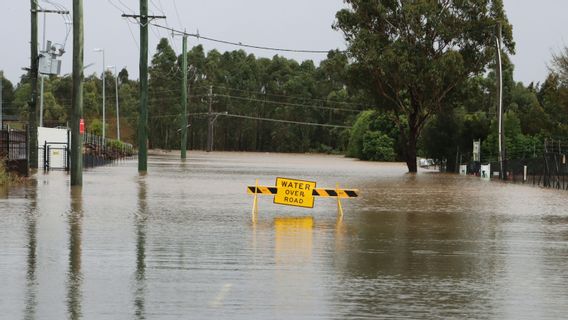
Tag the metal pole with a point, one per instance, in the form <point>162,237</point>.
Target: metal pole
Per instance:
<point>117,113</point>
<point>104,96</point>
<point>210,122</point>
<point>143,116</point>
<point>184,100</point>
<point>41,76</point>
<point>77,99</point>
<point>502,173</point>
<point>41,102</point>
<point>1,88</point>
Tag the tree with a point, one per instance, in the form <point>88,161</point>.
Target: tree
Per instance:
<point>560,65</point>
<point>7,95</point>
<point>414,53</point>
<point>164,106</point>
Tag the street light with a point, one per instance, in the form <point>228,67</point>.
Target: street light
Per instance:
<point>116,88</point>
<point>103,51</point>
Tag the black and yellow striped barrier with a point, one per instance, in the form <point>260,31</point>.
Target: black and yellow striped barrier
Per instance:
<point>298,193</point>
<point>320,192</point>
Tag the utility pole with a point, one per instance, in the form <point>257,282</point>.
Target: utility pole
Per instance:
<point>184,99</point>
<point>210,122</point>
<point>502,152</point>
<point>143,20</point>
<point>77,99</point>
<point>143,111</point>
<point>32,117</point>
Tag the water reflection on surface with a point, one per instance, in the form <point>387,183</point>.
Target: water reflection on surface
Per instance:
<point>179,243</point>
<point>31,232</point>
<point>74,275</point>
<point>140,222</point>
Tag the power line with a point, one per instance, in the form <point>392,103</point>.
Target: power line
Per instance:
<point>205,114</point>
<point>288,104</point>
<point>177,13</point>
<point>238,44</point>
<point>292,97</point>
<point>283,121</point>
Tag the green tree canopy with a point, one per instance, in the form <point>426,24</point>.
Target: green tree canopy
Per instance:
<point>412,54</point>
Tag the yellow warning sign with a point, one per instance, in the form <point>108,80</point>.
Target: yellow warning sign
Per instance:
<point>293,192</point>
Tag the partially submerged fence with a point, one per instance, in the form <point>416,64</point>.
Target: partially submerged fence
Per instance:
<point>14,150</point>
<point>99,152</point>
<point>545,166</point>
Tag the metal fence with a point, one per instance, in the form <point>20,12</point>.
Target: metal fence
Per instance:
<point>99,152</point>
<point>14,150</point>
<point>544,165</point>
<point>13,145</point>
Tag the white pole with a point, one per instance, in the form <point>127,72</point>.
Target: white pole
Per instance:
<point>1,80</point>
<point>41,102</point>
<point>41,76</point>
<point>117,113</point>
<point>103,79</point>
<point>104,98</point>
<point>500,109</point>
<point>116,96</point>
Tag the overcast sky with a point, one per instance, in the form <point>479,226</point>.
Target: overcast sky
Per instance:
<point>540,28</point>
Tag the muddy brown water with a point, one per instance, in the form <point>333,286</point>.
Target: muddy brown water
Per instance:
<point>179,242</point>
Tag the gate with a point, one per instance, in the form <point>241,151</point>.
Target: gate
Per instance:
<point>55,156</point>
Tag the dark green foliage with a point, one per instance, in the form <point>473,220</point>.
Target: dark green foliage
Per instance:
<point>332,93</point>
<point>518,145</point>
<point>373,137</point>
<point>377,146</point>
<point>413,54</point>
<point>361,126</point>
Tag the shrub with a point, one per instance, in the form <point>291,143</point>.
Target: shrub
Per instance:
<point>377,146</point>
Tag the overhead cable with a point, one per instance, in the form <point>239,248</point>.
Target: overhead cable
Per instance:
<point>239,44</point>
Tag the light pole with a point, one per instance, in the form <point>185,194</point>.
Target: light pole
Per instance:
<point>103,51</point>
<point>117,113</point>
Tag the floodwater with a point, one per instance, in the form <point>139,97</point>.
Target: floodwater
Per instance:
<point>179,243</point>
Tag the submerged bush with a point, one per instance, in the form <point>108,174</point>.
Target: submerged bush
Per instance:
<point>5,176</point>
<point>373,137</point>
<point>377,146</point>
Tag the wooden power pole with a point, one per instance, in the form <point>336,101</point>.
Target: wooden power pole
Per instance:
<point>32,117</point>
<point>143,111</point>
<point>143,19</point>
<point>184,99</point>
<point>77,98</point>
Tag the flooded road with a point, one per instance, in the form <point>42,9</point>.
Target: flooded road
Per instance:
<point>179,243</point>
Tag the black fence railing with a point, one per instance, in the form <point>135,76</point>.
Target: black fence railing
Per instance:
<point>14,150</point>
<point>99,152</point>
<point>542,164</point>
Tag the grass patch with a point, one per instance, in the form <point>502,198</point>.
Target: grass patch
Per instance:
<point>7,177</point>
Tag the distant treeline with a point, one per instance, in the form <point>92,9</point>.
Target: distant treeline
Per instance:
<point>263,104</point>
<point>280,105</point>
